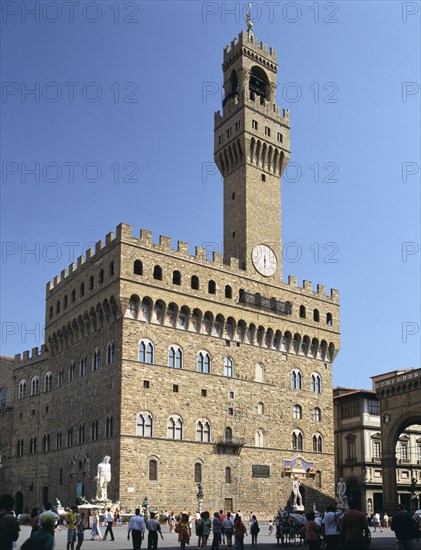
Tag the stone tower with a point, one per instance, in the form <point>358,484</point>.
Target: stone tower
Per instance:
<point>252,148</point>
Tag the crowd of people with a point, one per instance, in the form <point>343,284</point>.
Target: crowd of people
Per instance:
<point>348,529</point>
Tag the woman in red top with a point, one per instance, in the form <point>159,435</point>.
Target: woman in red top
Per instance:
<point>239,532</point>
<point>312,532</point>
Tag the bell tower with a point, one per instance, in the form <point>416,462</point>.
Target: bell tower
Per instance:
<point>251,150</point>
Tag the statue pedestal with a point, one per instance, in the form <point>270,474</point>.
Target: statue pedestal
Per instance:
<point>298,508</point>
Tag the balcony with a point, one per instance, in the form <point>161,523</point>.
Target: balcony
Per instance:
<point>229,445</point>
<point>270,304</point>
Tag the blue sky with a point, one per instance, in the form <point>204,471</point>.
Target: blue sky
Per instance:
<point>120,128</point>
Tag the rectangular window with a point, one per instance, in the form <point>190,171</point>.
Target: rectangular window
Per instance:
<point>377,451</point>
<point>404,451</point>
<point>220,139</point>
<point>280,137</point>
<point>204,393</point>
<point>237,125</point>
<point>260,470</point>
<point>254,124</point>
<point>373,407</point>
<point>267,131</point>
<point>229,132</point>
<point>351,449</point>
<point>146,384</point>
<point>231,395</point>
<point>350,408</point>
<point>175,388</point>
<point>230,411</point>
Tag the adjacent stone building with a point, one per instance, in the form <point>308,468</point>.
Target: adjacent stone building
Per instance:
<point>181,368</point>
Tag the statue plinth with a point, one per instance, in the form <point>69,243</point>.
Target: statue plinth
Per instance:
<point>298,508</point>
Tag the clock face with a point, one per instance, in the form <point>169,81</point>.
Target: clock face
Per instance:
<point>264,260</point>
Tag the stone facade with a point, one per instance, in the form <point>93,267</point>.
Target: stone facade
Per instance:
<point>182,369</point>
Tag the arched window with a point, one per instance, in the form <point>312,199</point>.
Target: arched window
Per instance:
<point>81,435</point>
<point>20,447</point>
<point>316,383</point>
<point>228,367</point>
<point>259,439</point>
<point>176,278</point>
<point>302,312</point>
<point>317,414</point>
<point>194,282</point>
<point>228,475</point>
<point>133,308</point>
<point>157,273</point>
<point>70,437</point>
<point>317,443</point>
<point>297,412</point>
<point>259,373</point>
<point>296,379</point>
<point>96,360</point>
<point>3,398</point>
<point>83,366</point>
<point>203,431</point>
<point>175,357</point>
<point>58,440</point>
<point>260,408</point>
<point>65,302</point>
<point>329,319</point>
<point>94,430</point>
<point>144,425</point>
<point>110,353</point>
<point>138,267</point>
<point>203,362</point>
<point>145,349</point>
<point>22,389</point>
<point>198,472</point>
<point>212,287</point>
<point>35,385</point>
<point>109,426</point>
<point>82,289</point>
<point>153,470</point>
<point>33,445</point>
<point>175,428</point>
<point>101,276</point>
<point>46,443</point>
<point>51,312</point>
<point>228,433</point>
<point>71,371</point>
<point>58,307</point>
<point>111,269</point>
<point>228,291</point>
<point>297,441</point>
<point>48,382</point>
<point>60,378</point>
<point>316,315</point>
<point>91,282</point>
<point>73,296</point>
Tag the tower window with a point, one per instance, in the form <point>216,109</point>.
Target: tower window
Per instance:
<point>237,125</point>
<point>73,295</point>
<point>175,388</point>
<point>176,278</point>
<point>157,273</point>
<point>228,291</point>
<point>212,287</point>
<point>267,131</point>
<point>254,125</point>
<point>302,312</point>
<point>263,177</point>
<point>233,195</point>
<point>220,139</point>
<point>195,282</point>
<point>233,234</point>
<point>280,137</point>
<point>229,132</point>
<point>91,282</point>
<point>101,276</point>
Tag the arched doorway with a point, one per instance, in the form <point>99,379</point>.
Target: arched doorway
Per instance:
<point>19,503</point>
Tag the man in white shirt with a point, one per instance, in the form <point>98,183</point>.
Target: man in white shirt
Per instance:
<point>109,518</point>
<point>137,528</point>
<point>330,524</point>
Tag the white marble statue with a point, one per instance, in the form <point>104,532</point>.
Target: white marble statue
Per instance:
<point>297,497</point>
<point>340,492</point>
<point>103,478</point>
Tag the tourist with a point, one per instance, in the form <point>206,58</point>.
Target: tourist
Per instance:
<point>331,530</point>
<point>354,528</point>
<point>71,519</point>
<point>137,528</point>
<point>199,531</point>
<point>207,526</point>
<point>172,522</point>
<point>153,527</point>
<point>254,530</point>
<point>109,519</point>
<point>228,526</point>
<point>43,539</point>
<point>96,531</point>
<point>222,517</point>
<point>376,521</point>
<point>80,530</point>
<point>270,526</point>
<point>239,532</point>
<point>183,530</point>
<point>34,521</point>
<point>405,528</point>
<point>385,520</point>
<point>9,527</point>
<point>48,512</point>
<point>312,532</point>
<point>217,531</point>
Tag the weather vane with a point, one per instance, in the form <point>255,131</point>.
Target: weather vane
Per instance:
<point>248,18</point>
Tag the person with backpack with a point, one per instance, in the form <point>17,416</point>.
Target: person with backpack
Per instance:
<point>254,530</point>
<point>9,527</point>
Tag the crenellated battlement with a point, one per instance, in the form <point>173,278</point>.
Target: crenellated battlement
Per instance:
<point>31,355</point>
<point>124,233</point>
<point>248,40</point>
